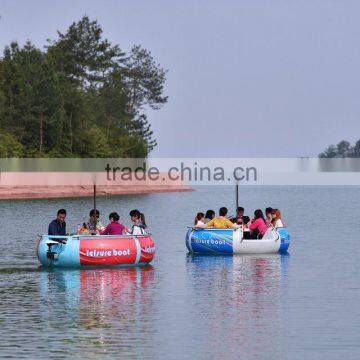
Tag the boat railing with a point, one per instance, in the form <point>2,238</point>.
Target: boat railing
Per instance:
<point>201,228</point>
<point>92,236</point>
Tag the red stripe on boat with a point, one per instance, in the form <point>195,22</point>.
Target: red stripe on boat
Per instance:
<point>107,251</point>
<point>147,249</point>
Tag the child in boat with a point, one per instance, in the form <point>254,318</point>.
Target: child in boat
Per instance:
<point>276,218</point>
<point>246,221</point>
<point>139,226</point>
<point>268,215</point>
<point>94,225</point>
<point>84,230</point>
<point>222,222</point>
<point>258,225</point>
<point>238,219</point>
<point>114,228</point>
<point>210,214</point>
<point>199,220</point>
<point>245,226</point>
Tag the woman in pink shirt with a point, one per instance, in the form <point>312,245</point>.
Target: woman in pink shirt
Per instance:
<point>258,225</point>
<point>114,228</point>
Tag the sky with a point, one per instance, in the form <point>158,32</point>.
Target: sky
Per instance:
<point>246,78</point>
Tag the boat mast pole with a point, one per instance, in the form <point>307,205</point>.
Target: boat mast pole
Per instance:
<point>95,201</point>
<point>237,197</point>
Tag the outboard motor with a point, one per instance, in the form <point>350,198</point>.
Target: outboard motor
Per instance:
<point>51,255</point>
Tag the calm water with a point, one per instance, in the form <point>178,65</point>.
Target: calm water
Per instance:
<point>299,306</point>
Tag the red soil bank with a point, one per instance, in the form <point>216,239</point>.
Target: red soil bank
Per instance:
<point>47,192</point>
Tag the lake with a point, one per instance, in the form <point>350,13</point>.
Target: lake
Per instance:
<point>302,305</point>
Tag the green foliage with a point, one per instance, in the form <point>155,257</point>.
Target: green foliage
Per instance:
<point>9,146</point>
<point>330,152</point>
<point>356,149</point>
<point>80,97</point>
<point>342,150</point>
<point>92,143</point>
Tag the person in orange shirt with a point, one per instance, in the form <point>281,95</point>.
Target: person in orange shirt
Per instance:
<point>221,221</point>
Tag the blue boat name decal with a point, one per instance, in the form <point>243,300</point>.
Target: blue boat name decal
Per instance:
<point>212,242</point>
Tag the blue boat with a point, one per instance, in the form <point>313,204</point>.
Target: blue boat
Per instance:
<point>229,241</point>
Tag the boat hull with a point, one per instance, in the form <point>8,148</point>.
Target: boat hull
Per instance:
<point>95,251</point>
<point>229,242</point>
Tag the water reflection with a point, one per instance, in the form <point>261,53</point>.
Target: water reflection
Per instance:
<point>243,299</point>
<point>105,307</point>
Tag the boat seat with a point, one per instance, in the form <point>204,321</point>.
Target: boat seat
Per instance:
<point>51,242</point>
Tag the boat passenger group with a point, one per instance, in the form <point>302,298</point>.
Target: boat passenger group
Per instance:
<point>253,229</point>
<point>94,227</point>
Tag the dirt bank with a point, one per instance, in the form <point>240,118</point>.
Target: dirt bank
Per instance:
<point>50,192</point>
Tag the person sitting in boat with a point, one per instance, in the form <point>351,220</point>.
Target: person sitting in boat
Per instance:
<point>84,230</point>
<point>268,215</point>
<point>199,220</point>
<point>114,228</point>
<point>221,221</point>
<point>246,221</point>
<point>139,226</point>
<point>58,225</point>
<point>94,225</point>
<point>276,219</point>
<point>245,227</point>
<point>238,219</point>
<point>210,214</point>
<point>258,225</point>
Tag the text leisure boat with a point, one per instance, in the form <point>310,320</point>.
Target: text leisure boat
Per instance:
<point>95,250</point>
<point>229,241</point>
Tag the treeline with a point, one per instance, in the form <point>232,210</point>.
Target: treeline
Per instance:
<point>80,96</point>
<point>341,150</point>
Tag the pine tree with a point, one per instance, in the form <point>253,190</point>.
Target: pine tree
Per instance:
<point>145,80</point>
<point>81,96</point>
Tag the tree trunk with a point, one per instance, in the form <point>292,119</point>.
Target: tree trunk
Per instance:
<point>59,131</point>
<point>41,132</point>
<point>133,99</point>
<point>108,127</point>
<point>71,132</point>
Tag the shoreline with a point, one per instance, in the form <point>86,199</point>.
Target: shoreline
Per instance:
<point>56,192</point>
